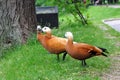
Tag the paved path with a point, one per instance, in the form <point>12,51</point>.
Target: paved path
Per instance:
<point>114,23</point>
<point>114,6</point>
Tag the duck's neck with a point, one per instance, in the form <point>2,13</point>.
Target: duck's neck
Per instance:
<point>70,40</point>
<point>48,34</point>
<point>39,35</point>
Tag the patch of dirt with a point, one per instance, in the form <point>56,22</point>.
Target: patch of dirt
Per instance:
<point>117,44</point>
<point>109,36</point>
<point>114,71</point>
<point>103,27</point>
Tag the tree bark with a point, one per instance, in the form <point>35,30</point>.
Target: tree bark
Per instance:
<point>17,21</point>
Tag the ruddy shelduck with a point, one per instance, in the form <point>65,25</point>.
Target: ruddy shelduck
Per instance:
<point>53,44</point>
<point>82,51</point>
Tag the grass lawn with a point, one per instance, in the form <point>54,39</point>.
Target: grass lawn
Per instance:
<point>32,62</point>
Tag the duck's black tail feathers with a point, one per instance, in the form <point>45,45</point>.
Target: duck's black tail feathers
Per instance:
<point>103,49</point>
<point>104,55</point>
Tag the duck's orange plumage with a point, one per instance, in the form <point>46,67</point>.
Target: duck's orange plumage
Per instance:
<point>53,44</point>
<point>81,51</point>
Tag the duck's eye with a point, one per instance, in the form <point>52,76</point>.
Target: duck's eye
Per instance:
<point>45,28</point>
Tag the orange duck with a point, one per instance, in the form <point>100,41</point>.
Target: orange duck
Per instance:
<point>52,44</point>
<point>82,51</point>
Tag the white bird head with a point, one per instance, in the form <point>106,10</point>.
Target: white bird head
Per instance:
<point>46,29</point>
<point>68,35</point>
<point>39,28</point>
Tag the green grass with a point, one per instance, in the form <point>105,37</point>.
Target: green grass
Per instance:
<point>32,62</point>
<point>101,13</point>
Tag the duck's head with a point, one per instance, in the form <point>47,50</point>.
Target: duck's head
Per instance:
<point>39,28</point>
<point>68,35</point>
<point>46,29</point>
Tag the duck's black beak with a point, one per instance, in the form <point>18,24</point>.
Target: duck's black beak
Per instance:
<point>64,36</point>
<point>40,30</point>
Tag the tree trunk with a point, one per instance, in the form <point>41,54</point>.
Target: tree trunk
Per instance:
<point>17,21</point>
